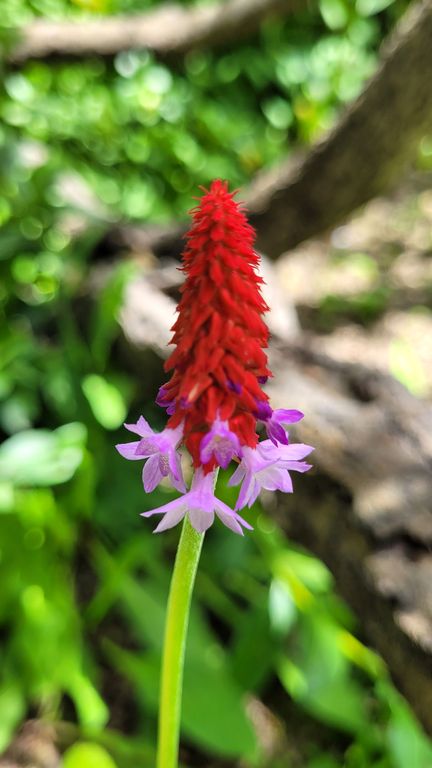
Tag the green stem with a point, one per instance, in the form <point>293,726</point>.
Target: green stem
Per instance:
<point>177,619</point>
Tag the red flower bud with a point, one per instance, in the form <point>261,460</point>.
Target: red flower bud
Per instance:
<point>219,332</point>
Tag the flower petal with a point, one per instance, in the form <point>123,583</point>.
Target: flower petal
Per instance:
<point>276,433</point>
<point>141,428</point>
<point>174,464</point>
<point>167,508</point>
<point>254,493</point>
<point>294,451</point>
<point>231,519</point>
<point>179,484</point>
<point>287,416</point>
<point>128,451</point>
<point>148,446</point>
<point>238,475</point>
<point>245,491</point>
<point>201,518</point>
<point>296,466</point>
<point>170,519</point>
<point>151,474</point>
<point>285,483</point>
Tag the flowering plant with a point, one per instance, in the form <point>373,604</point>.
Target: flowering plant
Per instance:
<point>214,398</point>
<point>215,402</point>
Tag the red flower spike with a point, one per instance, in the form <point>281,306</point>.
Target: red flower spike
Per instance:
<point>219,333</point>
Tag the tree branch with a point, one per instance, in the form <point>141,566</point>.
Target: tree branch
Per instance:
<point>169,29</point>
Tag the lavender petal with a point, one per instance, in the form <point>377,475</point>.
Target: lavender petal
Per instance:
<point>128,450</point>
<point>151,475</point>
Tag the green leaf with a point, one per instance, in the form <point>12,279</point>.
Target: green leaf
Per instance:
<point>334,13</point>
<point>281,606</point>
<point>106,401</point>
<point>92,710</point>
<point>12,710</point>
<point>39,457</point>
<point>319,676</point>
<point>213,710</point>
<point>87,755</point>
<point>252,662</point>
<point>306,568</point>
<point>370,7</point>
<point>407,743</point>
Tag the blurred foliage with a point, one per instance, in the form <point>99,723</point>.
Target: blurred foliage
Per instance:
<point>84,582</point>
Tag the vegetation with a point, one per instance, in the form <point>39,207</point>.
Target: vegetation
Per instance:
<point>83,145</point>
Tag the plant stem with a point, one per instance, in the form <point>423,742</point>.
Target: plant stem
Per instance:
<point>177,619</point>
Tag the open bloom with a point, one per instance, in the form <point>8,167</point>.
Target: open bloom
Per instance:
<point>201,505</point>
<point>219,442</point>
<point>214,397</point>
<point>268,468</point>
<point>159,450</point>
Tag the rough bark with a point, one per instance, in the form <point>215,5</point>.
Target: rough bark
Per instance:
<point>170,29</point>
<point>363,156</point>
<point>367,512</point>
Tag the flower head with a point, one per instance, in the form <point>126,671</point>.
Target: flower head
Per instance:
<point>214,397</point>
<point>219,333</point>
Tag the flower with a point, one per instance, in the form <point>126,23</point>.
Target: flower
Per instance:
<point>160,450</point>
<point>219,442</point>
<point>214,398</point>
<point>268,467</point>
<point>274,420</point>
<point>201,505</point>
<point>220,336</point>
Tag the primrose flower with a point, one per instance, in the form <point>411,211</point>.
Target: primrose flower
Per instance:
<point>219,442</point>
<point>201,504</point>
<point>160,450</point>
<point>268,467</point>
<point>214,398</point>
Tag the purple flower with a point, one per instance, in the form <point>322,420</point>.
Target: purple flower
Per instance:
<point>201,505</point>
<point>160,450</point>
<point>219,442</point>
<point>274,420</point>
<point>267,466</point>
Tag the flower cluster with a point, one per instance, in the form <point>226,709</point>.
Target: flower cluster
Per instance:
<point>214,398</point>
